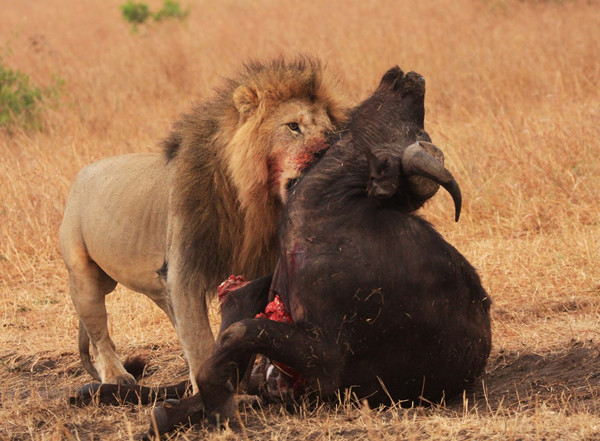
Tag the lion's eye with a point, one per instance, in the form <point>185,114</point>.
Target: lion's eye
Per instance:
<point>294,127</point>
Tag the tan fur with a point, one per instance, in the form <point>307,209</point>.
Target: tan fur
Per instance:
<point>209,206</point>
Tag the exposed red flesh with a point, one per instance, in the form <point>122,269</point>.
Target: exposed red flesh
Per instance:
<point>275,311</point>
<point>230,284</point>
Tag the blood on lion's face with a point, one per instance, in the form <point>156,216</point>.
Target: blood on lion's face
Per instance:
<point>299,131</point>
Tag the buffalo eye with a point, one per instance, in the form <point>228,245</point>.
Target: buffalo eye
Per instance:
<point>294,127</point>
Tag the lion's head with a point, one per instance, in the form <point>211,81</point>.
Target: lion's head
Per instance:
<point>285,112</point>
<point>261,130</point>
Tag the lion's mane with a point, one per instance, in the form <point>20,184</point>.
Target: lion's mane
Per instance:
<point>229,218</point>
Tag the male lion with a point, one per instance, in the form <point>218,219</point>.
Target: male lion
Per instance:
<point>206,208</point>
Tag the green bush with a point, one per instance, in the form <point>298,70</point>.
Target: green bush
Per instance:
<point>20,100</point>
<point>171,9</point>
<point>138,13</point>
<point>135,13</point>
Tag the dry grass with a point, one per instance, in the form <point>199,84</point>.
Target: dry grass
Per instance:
<point>513,99</point>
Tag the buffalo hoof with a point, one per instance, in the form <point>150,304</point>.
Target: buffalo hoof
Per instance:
<point>85,395</point>
<point>175,413</point>
<point>160,423</point>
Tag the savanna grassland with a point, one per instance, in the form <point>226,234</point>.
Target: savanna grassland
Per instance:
<point>513,99</point>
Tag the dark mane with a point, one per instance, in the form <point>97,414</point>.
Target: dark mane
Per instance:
<point>278,80</point>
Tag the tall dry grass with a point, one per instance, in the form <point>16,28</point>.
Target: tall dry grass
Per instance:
<point>513,100</point>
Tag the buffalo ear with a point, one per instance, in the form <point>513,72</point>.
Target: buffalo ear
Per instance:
<point>383,175</point>
<point>246,100</point>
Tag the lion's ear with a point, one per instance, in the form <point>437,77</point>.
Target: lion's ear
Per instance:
<point>246,100</point>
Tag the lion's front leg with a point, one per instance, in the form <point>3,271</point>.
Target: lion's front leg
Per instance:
<point>191,322</point>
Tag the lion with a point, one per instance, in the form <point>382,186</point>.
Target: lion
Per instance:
<point>172,225</point>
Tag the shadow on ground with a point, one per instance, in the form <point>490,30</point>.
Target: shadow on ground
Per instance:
<point>564,377</point>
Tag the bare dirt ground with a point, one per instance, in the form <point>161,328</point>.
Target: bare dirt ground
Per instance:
<point>512,99</point>
<point>518,389</point>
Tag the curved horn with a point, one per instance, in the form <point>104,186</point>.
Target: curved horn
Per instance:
<point>417,161</point>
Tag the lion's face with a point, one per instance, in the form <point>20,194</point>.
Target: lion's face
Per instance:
<point>284,114</point>
<point>298,131</point>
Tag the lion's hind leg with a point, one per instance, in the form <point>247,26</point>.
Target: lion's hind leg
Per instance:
<point>89,287</point>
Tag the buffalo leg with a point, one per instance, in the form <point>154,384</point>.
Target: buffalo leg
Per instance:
<point>245,302</point>
<point>242,303</point>
<point>117,394</point>
<point>300,348</point>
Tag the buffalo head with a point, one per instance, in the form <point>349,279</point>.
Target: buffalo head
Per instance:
<point>403,163</point>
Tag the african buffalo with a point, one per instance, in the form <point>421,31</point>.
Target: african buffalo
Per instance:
<point>379,302</point>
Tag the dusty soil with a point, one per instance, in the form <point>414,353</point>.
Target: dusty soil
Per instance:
<point>561,381</point>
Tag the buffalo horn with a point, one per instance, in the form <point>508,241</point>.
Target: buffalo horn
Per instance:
<point>416,161</point>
